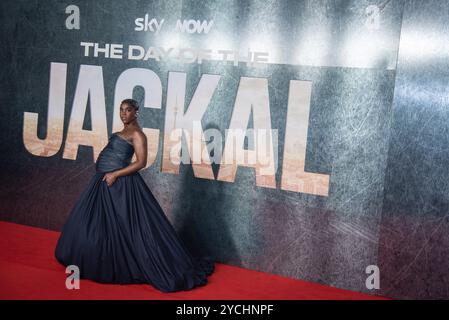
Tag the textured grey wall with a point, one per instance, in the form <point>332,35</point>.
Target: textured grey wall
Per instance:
<point>414,237</point>
<point>380,133</point>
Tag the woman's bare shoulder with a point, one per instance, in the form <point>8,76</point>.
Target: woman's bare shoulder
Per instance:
<point>139,134</point>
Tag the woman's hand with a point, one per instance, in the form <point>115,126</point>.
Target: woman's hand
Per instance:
<point>110,178</point>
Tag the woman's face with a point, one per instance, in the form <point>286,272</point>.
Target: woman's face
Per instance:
<point>127,113</point>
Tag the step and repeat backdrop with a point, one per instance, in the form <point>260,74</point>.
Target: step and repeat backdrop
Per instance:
<point>303,138</point>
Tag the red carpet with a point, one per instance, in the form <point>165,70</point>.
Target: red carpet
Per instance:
<point>28,270</point>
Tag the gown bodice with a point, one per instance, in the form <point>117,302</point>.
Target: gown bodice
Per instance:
<point>115,155</point>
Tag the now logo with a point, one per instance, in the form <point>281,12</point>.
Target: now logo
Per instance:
<point>194,26</point>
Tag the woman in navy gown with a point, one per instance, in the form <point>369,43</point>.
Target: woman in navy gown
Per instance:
<point>117,232</point>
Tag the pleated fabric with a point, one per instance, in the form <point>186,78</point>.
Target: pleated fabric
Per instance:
<point>120,234</point>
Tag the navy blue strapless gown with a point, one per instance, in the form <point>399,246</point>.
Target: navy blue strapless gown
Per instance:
<point>120,234</point>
